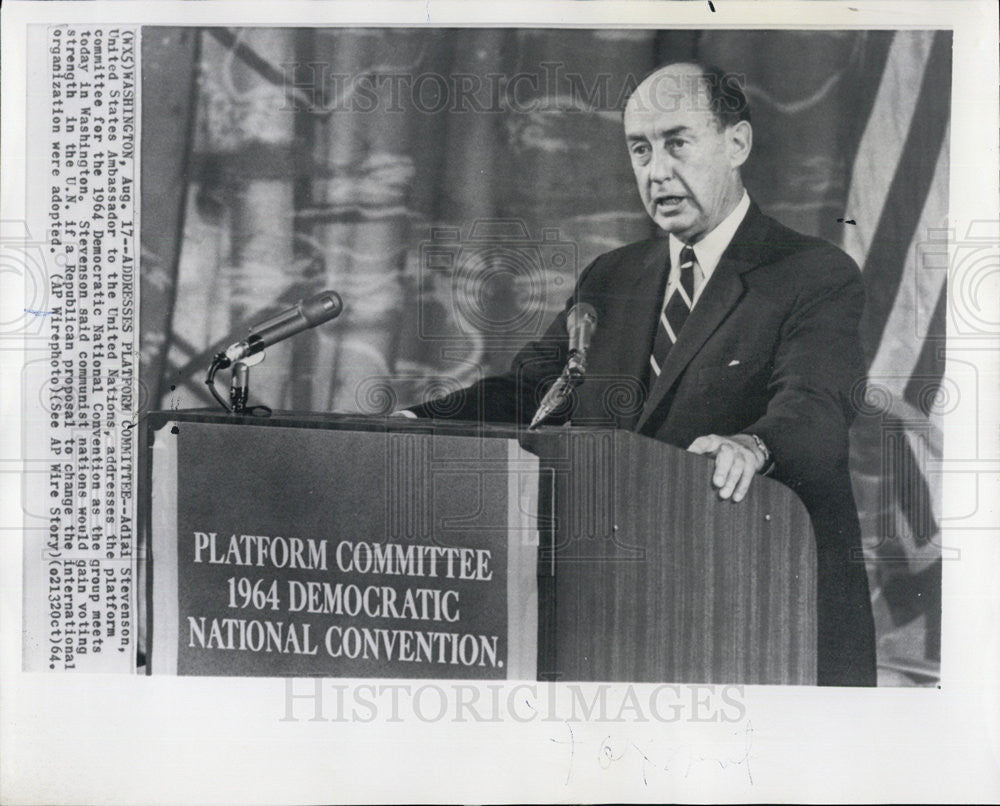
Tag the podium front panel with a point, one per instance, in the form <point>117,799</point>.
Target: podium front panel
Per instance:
<point>307,551</point>
<point>656,579</point>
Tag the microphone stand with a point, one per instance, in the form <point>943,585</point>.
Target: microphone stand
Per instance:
<point>554,398</point>
<point>239,389</point>
<point>571,377</point>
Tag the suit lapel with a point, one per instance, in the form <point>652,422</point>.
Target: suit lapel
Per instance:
<point>724,289</point>
<point>649,286</point>
<point>631,315</point>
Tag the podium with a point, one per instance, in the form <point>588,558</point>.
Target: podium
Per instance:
<point>352,546</point>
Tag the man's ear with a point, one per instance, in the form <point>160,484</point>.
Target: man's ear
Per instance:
<point>739,141</point>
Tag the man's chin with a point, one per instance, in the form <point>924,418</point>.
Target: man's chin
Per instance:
<point>674,223</point>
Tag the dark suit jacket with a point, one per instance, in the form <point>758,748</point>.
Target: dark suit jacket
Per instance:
<point>771,348</point>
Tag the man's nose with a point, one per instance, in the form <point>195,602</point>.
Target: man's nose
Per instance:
<point>661,166</point>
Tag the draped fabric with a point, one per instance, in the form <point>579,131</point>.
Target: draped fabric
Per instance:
<point>451,184</point>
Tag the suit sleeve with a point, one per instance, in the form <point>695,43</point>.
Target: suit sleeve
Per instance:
<point>818,367</point>
<point>514,396</point>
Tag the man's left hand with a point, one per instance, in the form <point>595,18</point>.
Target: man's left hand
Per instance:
<point>737,460</point>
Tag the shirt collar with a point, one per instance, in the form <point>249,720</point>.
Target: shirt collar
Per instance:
<point>708,251</point>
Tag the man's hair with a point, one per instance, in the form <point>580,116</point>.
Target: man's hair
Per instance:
<point>726,99</point>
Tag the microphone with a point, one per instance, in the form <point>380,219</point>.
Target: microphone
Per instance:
<point>581,321</point>
<point>307,313</point>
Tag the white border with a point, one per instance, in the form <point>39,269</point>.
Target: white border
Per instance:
<point>115,739</point>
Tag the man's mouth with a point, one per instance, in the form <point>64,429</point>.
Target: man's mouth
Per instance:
<point>667,203</point>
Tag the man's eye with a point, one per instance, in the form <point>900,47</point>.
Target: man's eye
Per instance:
<point>640,150</point>
<point>676,144</point>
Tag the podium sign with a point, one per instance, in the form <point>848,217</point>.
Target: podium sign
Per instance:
<point>305,551</point>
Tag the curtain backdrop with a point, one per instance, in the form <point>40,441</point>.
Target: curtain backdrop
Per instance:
<point>451,184</point>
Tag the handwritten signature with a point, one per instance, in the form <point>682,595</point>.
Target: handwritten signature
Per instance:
<point>663,758</point>
<point>33,312</point>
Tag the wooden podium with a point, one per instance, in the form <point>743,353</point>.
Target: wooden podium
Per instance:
<point>337,545</point>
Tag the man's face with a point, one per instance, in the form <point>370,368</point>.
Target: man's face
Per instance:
<point>685,164</point>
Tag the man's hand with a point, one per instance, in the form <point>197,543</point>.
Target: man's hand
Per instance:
<point>737,460</point>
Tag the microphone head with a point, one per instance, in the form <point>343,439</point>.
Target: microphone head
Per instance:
<point>321,307</point>
<point>581,313</point>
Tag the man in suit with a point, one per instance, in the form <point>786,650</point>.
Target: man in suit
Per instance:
<point>734,337</point>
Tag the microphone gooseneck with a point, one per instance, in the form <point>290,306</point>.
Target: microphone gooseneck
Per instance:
<point>581,322</point>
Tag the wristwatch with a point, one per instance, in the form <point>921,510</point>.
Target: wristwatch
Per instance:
<point>768,465</point>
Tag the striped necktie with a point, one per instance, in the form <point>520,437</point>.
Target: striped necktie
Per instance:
<point>675,311</point>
